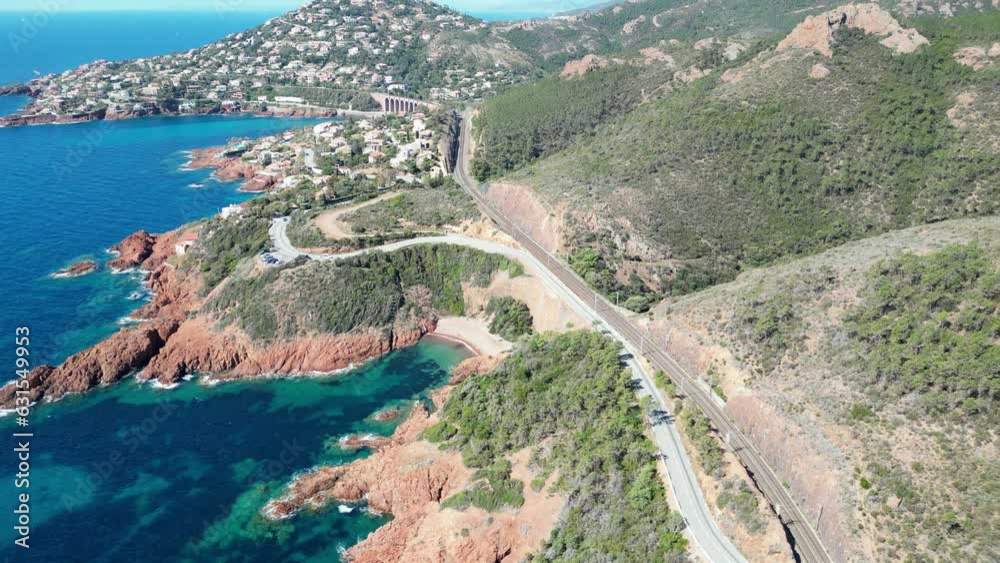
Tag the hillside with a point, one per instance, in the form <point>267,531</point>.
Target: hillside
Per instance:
<point>327,54</point>
<point>868,375</point>
<point>621,27</point>
<point>827,136</point>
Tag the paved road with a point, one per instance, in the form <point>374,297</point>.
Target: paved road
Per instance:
<point>807,541</point>
<point>708,539</point>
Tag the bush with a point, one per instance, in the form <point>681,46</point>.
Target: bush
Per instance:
<point>928,325</point>
<point>370,291</point>
<point>492,489</point>
<point>571,391</point>
<point>511,319</point>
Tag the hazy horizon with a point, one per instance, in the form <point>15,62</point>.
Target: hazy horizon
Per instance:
<point>514,7</point>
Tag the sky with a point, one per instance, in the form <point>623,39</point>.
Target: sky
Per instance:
<point>520,7</point>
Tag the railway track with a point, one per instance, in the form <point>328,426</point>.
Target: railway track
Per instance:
<point>807,543</point>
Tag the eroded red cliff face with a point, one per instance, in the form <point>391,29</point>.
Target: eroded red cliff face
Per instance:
<point>381,479</point>
<point>409,477</point>
<point>132,251</point>
<point>197,348</point>
<point>103,364</point>
<point>175,340</point>
<point>232,168</point>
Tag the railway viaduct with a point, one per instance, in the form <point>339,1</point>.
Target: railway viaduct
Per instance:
<point>401,105</point>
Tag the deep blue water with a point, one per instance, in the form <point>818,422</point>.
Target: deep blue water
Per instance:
<point>68,39</point>
<point>191,489</point>
<point>71,191</point>
<point>132,474</point>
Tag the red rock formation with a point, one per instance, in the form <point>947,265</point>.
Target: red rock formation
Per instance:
<point>355,442</point>
<point>379,478</point>
<point>123,353</point>
<point>409,478</point>
<point>818,32</point>
<point>78,269</point>
<point>231,355</point>
<point>472,366</point>
<point>386,415</point>
<point>132,251</point>
<point>583,66</point>
<point>231,168</point>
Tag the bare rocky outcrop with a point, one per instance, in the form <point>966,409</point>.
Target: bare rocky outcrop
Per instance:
<point>408,478</point>
<point>818,72</point>
<point>583,66</point>
<point>630,27</point>
<point>77,269</point>
<point>229,168</point>
<point>819,32</point>
<point>132,251</point>
<point>473,366</point>
<point>525,208</point>
<point>123,353</point>
<point>978,58</point>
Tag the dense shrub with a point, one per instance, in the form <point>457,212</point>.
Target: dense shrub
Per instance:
<point>370,291</point>
<point>929,326</point>
<point>511,319</point>
<point>572,392</point>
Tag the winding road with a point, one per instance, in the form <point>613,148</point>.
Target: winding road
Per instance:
<point>806,541</point>
<point>709,540</point>
<point>702,528</point>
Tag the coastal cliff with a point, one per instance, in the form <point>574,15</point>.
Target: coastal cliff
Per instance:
<point>197,348</point>
<point>175,338</point>
<point>231,168</point>
<point>32,114</point>
<point>409,477</point>
<point>103,364</point>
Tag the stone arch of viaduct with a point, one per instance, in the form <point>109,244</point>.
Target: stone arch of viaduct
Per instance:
<point>401,105</point>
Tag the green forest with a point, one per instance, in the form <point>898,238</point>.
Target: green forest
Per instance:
<point>548,115</point>
<point>723,177</point>
<point>370,291</point>
<point>929,326</point>
<point>571,392</point>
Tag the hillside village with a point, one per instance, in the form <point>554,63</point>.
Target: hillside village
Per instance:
<point>390,151</point>
<point>759,200</point>
<point>326,55</point>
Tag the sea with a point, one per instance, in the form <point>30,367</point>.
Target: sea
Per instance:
<point>133,473</point>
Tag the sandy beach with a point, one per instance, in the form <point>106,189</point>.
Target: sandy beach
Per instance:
<point>473,333</point>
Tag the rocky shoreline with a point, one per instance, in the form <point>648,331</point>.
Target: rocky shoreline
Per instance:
<point>26,116</point>
<point>409,477</point>
<point>77,269</point>
<point>229,169</point>
<point>173,340</point>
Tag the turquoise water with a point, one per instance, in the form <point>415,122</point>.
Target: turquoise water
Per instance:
<point>135,474</point>
<point>71,191</point>
<point>131,473</point>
